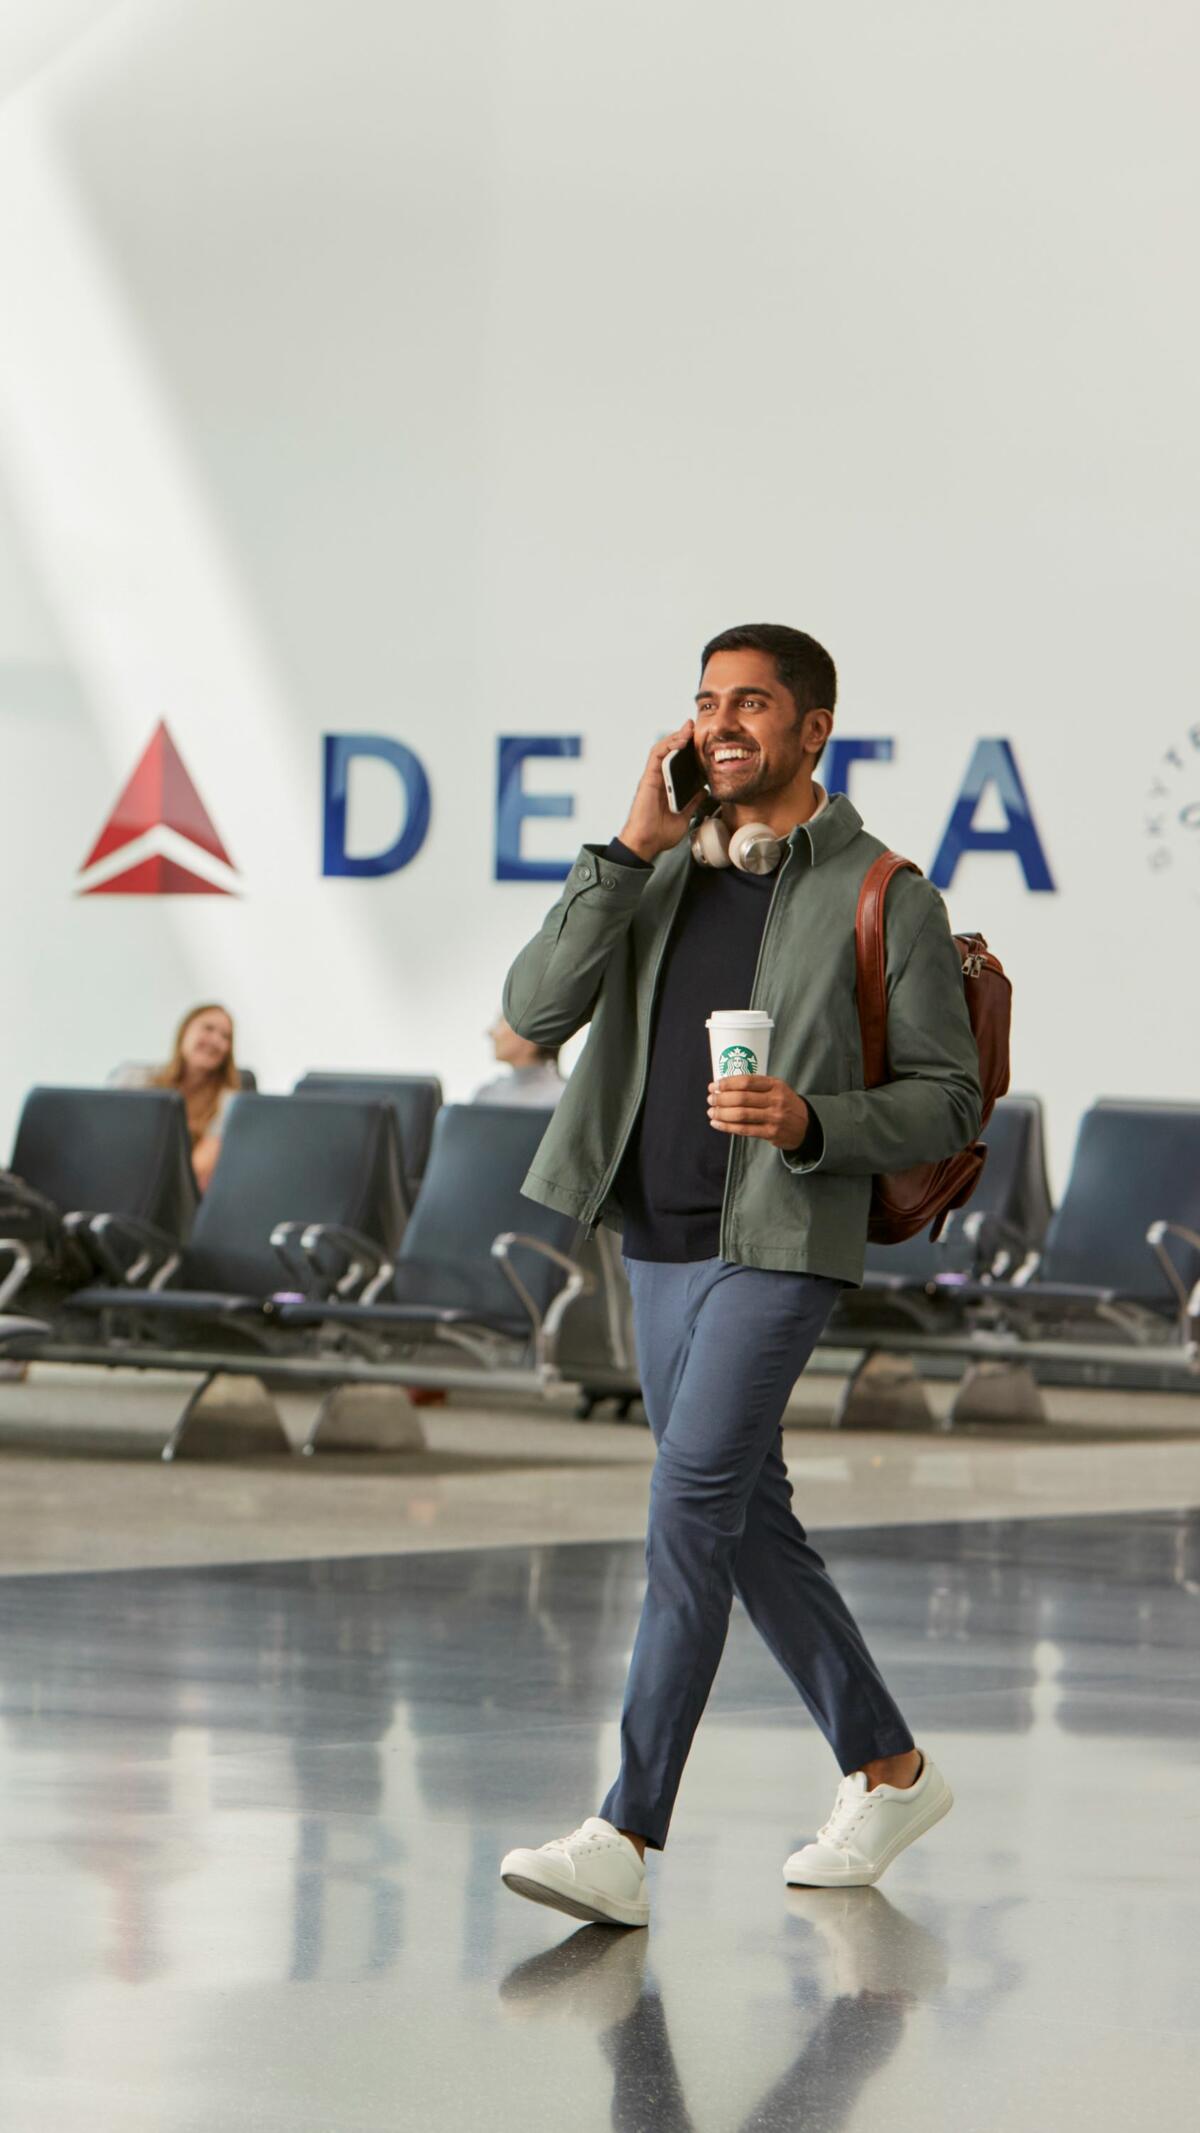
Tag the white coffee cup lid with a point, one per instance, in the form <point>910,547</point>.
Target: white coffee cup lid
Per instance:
<point>743,1016</point>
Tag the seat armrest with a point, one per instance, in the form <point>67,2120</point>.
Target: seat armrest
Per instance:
<point>578,1283</point>
<point>503,1244</point>
<point>15,1329</point>
<point>994,1231</point>
<point>285,1240</point>
<point>13,1276</point>
<point>133,1254</point>
<point>992,1238</point>
<point>1156,1238</point>
<point>332,1260</point>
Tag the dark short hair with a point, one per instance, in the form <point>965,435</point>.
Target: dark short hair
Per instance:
<point>801,664</point>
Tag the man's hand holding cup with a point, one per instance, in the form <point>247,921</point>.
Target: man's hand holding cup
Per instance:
<point>742,1097</point>
<point>759,1107</point>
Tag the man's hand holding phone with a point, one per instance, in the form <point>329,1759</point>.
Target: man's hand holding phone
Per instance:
<point>652,826</point>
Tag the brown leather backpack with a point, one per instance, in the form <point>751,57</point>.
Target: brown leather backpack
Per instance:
<point>906,1201</point>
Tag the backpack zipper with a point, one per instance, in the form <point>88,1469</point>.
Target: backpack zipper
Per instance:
<point>977,960</point>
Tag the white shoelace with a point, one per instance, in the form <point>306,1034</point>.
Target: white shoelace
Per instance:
<point>848,1810</point>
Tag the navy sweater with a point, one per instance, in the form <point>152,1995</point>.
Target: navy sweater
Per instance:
<point>671,1182</point>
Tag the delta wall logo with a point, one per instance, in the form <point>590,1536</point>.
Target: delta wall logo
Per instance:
<point>160,839</point>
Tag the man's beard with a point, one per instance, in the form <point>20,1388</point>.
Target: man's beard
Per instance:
<point>755,787</point>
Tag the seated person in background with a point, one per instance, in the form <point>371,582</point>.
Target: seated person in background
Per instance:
<point>533,1078</point>
<point>202,1068</point>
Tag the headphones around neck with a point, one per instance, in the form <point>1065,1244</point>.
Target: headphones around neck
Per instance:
<point>753,849</point>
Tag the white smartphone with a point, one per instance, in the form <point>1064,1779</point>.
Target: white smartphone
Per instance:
<point>683,777</point>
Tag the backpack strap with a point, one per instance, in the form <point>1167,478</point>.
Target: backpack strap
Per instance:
<point>870,963</point>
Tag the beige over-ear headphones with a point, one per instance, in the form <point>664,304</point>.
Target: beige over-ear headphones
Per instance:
<point>753,849</point>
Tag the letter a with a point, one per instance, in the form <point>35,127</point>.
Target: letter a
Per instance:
<point>993,763</point>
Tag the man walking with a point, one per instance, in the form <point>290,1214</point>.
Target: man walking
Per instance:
<point>743,1205</point>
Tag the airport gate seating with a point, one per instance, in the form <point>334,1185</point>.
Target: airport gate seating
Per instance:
<point>1112,1297</point>
<point>416,1100</point>
<point>480,1269</point>
<point>1123,1251</point>
<point>307,1190</point>
<point>98,1156</point>
<point>304,1252</point>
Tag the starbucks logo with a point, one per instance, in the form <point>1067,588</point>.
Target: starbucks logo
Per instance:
<point>738,1059</point>
<point>1171,825</point>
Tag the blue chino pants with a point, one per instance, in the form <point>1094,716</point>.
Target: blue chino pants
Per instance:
<point>719,1349</point>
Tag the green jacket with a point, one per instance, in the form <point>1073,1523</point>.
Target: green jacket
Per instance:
<point>597,959</point>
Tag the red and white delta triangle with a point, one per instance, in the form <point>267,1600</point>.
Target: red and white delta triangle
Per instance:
<point>160,839</point>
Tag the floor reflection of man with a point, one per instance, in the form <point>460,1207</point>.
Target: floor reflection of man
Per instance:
<point>874,1965</point>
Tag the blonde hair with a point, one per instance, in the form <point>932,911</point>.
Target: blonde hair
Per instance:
<point>202,1107</point>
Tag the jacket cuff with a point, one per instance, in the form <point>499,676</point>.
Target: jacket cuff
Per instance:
<point>621,856</point>
<point>810,1153</point>
<point>595,874</point>
<point>841,1137</point>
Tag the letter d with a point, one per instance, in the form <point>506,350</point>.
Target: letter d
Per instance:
<point>340,751</point>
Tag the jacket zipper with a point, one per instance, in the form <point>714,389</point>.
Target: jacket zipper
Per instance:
<point>591,1212</point>
<point>737,1140</point>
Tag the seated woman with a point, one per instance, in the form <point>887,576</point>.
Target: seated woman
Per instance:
<point>203,1069</point>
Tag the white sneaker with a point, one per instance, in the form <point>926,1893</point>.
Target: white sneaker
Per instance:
<point>595,1874</point>
<point>867,1829</point>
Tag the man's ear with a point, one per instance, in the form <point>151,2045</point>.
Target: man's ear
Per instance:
<point>815,729</point>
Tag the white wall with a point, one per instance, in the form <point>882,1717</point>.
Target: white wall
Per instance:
<point>455,373</point>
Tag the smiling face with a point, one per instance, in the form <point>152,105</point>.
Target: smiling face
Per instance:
<point>750,737</point>
<point>206,1042</point>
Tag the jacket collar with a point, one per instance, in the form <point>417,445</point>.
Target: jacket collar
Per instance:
<point>828,832</point>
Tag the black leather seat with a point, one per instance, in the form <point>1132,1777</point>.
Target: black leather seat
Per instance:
<point>1135,1165</point>
<point>447,1274</point>
<point>113,1152</point>
<point>119,1151</point>
<point>285,1159</point>
<point>416,1100</point>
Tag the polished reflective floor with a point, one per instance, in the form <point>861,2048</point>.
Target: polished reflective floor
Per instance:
<point>251,1819</point>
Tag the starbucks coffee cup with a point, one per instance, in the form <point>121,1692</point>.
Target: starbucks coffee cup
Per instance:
<point>740,1040</point>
